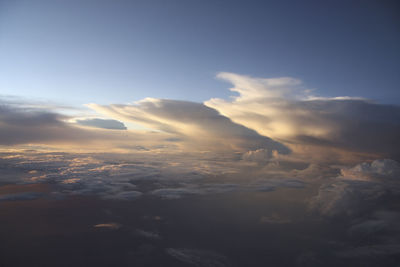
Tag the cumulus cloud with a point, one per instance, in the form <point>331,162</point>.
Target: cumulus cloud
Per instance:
<point>281,109</point>
<point>359,189</point>
<point>259,155</point>
<point>347,197</point>
<point>378,169</point>
<point>130,176</point>
<point>194,122</point>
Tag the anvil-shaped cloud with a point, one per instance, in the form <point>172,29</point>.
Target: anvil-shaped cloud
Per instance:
<point>315,129</point>
<point>281,109</point>
<point>193,122</point>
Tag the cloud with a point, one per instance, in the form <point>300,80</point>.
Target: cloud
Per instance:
<point>147,234</point>
<point>381,226</point>
<point>22,125</point>
<point>371,251</point>
<point>347,197</point>
<point>131,176</point>
<point>193,122</point>
<point>281,109</point>
<point>102,123</point>
<point>363,188</point>
<point>259,155</point>
<point>274,218</point>
<point>376,170</point>
<point>188,189</point>
<point>111,226</point>
<point>198,258</point>
<point>20,196</point>
<point>26,126</point>
<point>126,195</point>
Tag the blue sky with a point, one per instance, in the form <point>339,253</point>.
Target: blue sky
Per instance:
<point>104,52</point>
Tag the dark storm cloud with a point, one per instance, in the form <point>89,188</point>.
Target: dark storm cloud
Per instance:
<point>102,123</point>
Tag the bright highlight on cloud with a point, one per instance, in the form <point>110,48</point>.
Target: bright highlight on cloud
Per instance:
<point>21,125</point>
<point>195,123</point>
<point>281,109</point>
<point>337,157</point>
<point>269,118</point>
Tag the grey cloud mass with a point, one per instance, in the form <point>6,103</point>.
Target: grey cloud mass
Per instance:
<point>359,189</point>
<point>26,125</point>
<point>102,123</point>
<point>20,196</point>
<point>22,125</point>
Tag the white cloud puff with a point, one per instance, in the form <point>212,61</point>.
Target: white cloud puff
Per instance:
<point>378,169</point>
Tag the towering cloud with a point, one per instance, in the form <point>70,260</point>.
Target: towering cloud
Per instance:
<point>281,109</point>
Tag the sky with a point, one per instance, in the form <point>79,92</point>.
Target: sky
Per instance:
<point>199,133</point>
<point>77,52</point>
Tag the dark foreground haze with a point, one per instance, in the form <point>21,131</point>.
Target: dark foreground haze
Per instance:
<point>235,229</point>
<point>127,218</point>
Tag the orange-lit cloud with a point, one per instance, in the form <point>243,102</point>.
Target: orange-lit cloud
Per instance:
<point>195,123</point>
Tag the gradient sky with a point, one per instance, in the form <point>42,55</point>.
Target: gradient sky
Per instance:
<point>121,51</point>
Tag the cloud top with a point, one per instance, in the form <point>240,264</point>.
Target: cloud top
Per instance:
<point>282,109</point>
<point>194,122</point>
